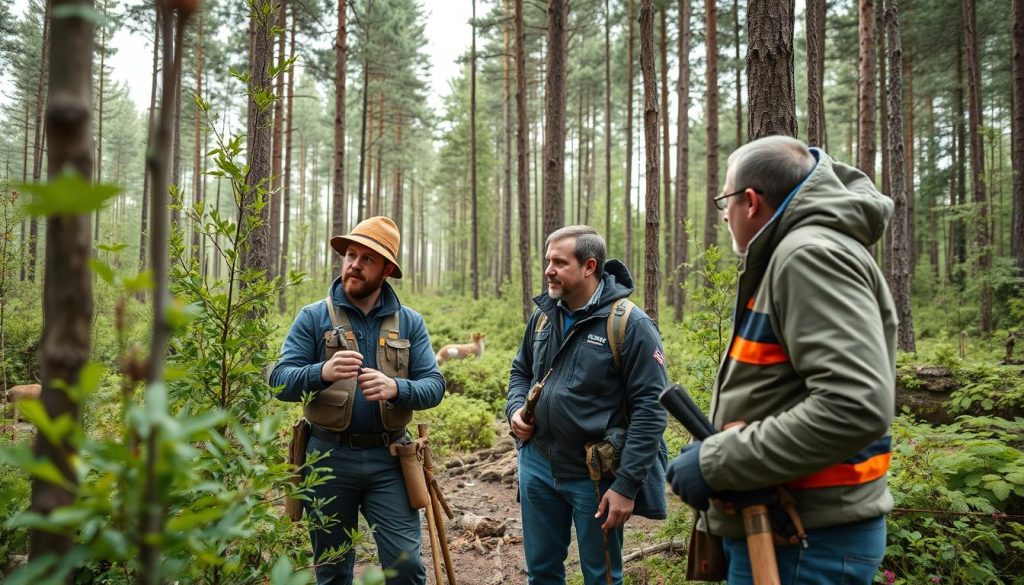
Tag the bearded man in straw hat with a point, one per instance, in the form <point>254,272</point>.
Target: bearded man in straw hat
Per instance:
<point>367,362</point>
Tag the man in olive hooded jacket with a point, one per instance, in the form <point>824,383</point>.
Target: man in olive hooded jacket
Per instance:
<point>807,386</point>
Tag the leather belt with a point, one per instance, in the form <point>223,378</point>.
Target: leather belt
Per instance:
<point>356,440</point>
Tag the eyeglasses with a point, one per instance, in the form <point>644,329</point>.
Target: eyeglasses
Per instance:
<point>722,200</point>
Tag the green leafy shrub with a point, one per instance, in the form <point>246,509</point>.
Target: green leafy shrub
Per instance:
<point>484,379</point>
<point>459,424</point>
<point>952,485</point>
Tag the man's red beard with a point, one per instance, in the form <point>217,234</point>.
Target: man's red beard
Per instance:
<point>357,287</point>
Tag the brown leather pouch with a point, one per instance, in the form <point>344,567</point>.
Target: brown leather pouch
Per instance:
<point>297,458</point>
<point>705,558</point>
<point>412,471</point>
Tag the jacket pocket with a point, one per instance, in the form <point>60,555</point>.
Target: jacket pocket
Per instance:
<point>332,407</point>
<point>395,362</point>
<point>591,369</point>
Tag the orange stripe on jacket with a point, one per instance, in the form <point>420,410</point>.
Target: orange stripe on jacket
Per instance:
<point>757,353</point>
<point>846,473</point>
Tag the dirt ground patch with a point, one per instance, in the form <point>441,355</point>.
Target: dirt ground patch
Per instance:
<point>486,536</point>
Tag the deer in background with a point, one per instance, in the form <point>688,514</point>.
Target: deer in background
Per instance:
<point>21,392</point>
<point>457,351</point>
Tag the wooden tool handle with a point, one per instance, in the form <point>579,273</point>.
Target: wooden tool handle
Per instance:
<point>758,529</point>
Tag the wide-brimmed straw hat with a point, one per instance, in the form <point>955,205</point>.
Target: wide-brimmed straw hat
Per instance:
<point>379,234</point>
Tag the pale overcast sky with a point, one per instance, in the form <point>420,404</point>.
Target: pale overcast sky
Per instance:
<point>448,35</point>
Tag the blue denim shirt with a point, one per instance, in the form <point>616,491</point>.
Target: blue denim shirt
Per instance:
<point>302,356</point>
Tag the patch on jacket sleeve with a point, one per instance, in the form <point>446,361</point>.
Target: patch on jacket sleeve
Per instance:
<point>659,356</point>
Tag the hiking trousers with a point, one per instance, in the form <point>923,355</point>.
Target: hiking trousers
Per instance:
<point>550,508</point>
<point>367,481</point>
<point>848,554</point>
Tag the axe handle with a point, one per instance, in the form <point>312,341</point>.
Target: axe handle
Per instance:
<point>760,545</point>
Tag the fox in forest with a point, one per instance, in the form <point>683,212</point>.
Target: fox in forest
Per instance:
<point>458,351</point>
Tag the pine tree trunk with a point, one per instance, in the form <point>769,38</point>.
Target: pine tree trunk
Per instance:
<point>738,64</point>
<point>900,282</point>
<point>1017,131</point>
<point>666,158</point>
<point>651,152</point>
<point>682,236</point>
<point>770,82</point>
<point>286,202</point>
<point>554,117</point>
<point>627,217</point>
<point>815,61</point>
<point>505,271</point>
<point>258,179</point>
<point>37,145</point>
<point>276,169</point>
<point>522,169</point>
<point>143,231</point>
<point>197,160</point>
<point>67,287</point>
<point>866,89</point>
<point>339,210</point>
<point>607,127</point>
<point>960,135</point>
<point>101,75</point>
<point>908,137</point>
<point>361,203</point>
<point>711,121</point>
<point>983,263</point>
<point>474,223</point>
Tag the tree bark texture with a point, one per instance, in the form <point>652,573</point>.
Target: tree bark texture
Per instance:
<point>651,151</point>
<point>666,160</point>
<point>276,168</point>
<point>866,89</point>
<point>555,93</point>
<point>505,270</point>
<point>474,220</point>
<point>67,286</point>
<point>286,198</point>
<point>522,164</point>
<point>143,231</point>
<point>900,282</point>
<point>37,145</point>
<point>682,236</point>
<point>1017,129</point>
<point>258,179</point>
<point>711,121</point>
<point>983,263</point>
<point>770,85</point>
<point>339,203</point>
<point>815,67</point>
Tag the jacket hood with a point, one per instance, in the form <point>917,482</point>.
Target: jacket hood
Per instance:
<point>387,304</point>
<point>834,195</point>
<point>618,283</point>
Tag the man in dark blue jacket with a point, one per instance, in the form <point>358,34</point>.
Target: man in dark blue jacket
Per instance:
<point>367,362</point>
<point>585,398</point>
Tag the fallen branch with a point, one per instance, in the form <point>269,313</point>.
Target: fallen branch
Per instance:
<point>658,548</point>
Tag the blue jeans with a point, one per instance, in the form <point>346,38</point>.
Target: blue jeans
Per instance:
<point>368,481</point>
<point>550,508</point>
<point>848,554</point>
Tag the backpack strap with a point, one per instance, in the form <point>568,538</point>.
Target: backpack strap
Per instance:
<point>618,318</point>
<point>541,322</point>
<point>340,319</point>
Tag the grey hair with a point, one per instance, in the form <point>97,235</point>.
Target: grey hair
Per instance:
<point>772,166</point>
<point>589,244</point>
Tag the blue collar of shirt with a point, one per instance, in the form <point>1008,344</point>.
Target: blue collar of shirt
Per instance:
<point>570,317</point>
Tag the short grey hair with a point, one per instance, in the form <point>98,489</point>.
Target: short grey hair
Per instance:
<point>589,244</point>
<point>772,166</point>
